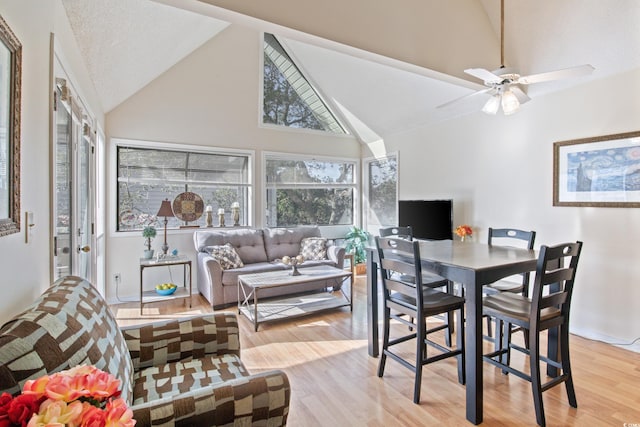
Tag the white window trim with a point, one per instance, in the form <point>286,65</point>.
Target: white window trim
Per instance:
<point>365,185</point>
<point>114,143</point>
<point>337,113</point>
<point>328,230</point>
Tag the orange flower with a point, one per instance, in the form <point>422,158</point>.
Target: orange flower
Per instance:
<point>82,396</point>
<point>102,385</point>
<point>464,230</point>
<point>118,414</point>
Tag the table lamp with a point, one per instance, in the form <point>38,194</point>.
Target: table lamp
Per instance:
<point>166,211</point>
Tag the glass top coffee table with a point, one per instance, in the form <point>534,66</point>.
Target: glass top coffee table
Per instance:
<point>293,305</point>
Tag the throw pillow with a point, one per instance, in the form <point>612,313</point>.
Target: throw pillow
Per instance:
<point>226,255</point>
<point>313,248</point>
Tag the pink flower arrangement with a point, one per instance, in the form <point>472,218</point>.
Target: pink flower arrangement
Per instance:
<point>464,230</point>
<point>83,396</point>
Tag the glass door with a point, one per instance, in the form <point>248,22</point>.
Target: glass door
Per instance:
<point>83,185</point>
<point>63,134</point>
<point>73,170</point>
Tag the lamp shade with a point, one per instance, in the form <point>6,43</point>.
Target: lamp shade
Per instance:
<point>510,103</point>
<point>165,209</point>
<point>492,105</point>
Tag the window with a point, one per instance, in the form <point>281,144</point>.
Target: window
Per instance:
<point>307,191</point>
<point>288,98</point>
<point>146,176</point>
<point>382,193</point>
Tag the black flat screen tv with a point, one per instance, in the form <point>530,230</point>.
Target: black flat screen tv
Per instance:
<point>429,219</point>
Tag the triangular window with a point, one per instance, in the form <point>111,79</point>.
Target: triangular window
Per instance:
<point>288,98</point>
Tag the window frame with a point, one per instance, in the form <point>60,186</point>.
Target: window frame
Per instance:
<point>335,112</point>
<point>331,229</point>
<point>366,180</point>
<point>114,143</point>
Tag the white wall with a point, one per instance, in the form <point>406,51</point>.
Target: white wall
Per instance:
<point>25,267</point>
<point>211,98</point>
<point>499,170</point>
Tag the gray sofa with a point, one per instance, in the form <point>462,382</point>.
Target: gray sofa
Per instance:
<point>260,250</point>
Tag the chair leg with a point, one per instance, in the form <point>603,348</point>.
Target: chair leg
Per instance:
<point>462,379</point>
<point>489,331</point>
<point>536,382</point>
<point>566,365</point>
<point>447,333</point>
<point>421,354</point>
<point>497,340</point>
<point>385,342</point>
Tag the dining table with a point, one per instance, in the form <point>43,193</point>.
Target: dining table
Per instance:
<point>473,265</point>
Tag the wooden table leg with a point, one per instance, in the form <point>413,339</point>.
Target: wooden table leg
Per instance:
<point>473,353</point>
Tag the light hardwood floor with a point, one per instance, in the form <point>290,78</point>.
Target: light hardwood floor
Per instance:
<point>334,382</point>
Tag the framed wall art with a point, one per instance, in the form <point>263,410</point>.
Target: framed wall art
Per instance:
<point>10,90</point>
<point>603,171</point>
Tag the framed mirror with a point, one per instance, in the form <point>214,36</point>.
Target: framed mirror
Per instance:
<point>10,91</point>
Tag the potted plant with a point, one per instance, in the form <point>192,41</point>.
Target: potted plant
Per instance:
<point>355,242</point>
<point>149,232</point>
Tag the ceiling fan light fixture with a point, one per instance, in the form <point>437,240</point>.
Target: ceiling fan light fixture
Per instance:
<point>492,105</point>
<point>510,103</point>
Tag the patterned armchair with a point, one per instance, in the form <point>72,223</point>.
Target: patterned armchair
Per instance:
<point>178,372</point>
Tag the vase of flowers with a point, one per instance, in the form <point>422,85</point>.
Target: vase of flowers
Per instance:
<point>464,231</point>
<point>80,396</point>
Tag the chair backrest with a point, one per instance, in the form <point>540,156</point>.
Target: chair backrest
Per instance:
<point>512,234</point>
<point>399,265</point>
<point>521,238</point>
<point>399,232</point>
<point>553,285</point>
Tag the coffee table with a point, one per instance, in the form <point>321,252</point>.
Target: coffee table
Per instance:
<point>293,305</point>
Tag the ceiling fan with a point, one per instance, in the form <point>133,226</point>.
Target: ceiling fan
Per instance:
<point>502,84</point>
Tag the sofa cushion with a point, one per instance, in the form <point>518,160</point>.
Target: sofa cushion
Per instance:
<point>248,242</point>
<point>313,248</point>
<point>280,242</point>
<point>173,379</point>
<point>226,255</point>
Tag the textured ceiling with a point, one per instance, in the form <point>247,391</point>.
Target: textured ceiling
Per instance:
<point>128,43</point>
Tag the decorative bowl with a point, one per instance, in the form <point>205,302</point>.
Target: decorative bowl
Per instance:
<point>166,292</point>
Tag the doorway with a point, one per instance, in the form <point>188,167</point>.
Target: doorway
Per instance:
<point>73,194</point>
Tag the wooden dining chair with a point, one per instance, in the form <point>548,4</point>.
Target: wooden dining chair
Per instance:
<point>548,307</point>
<point>516,238</point>
<point>411,300</point>
<point>430,280</point>
<point>404,232</point>
<point>510,237</point>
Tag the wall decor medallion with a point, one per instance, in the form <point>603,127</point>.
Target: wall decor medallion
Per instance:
<point>603,171</point>
<point>188,206</point>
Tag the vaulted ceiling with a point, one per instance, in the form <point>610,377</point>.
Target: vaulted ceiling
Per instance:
<point>384,64</point>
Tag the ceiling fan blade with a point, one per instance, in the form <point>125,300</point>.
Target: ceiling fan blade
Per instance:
<point>522,97</point>
<point>484,75</point>
<point>580,70</point>
<point>465,97</point>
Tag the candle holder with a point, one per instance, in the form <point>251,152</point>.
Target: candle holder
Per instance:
<point>221,217</point>
<point>208,216</point>
<point>235,209</point>
<point>294,262</point>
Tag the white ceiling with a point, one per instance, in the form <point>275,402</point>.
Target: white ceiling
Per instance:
<point>129,43</point>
